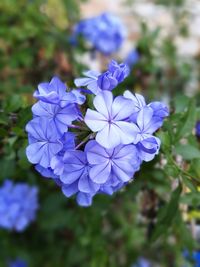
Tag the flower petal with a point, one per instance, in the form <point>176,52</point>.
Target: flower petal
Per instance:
<point>109,137</point>
<point>94,120</point>
<point>122,108</point>
<point>103,103</point>
<point>100,173</point>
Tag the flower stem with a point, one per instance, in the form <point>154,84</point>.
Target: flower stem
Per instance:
<point>76,127</point>
<point>88,137</point>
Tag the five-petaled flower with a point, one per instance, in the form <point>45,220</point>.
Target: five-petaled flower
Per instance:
<point>110,120</point>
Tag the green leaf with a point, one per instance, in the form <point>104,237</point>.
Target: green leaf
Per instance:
<point>181,102</point>
<point>187,124</point>
<point>189,183</point>
<point>195,167</point>
<point>188,152</point>
<point>165,139</point>
<point>167,214</point>
<point>13,103</point>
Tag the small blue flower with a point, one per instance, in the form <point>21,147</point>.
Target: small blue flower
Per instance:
<point>142,262</point>
<point>17,263</point>
<point>18,205</point>
<point>105,33</point>
<point>60,117</point>
<point>118,71</point>
<point>54,93</point>
<point>76,171</point>
<point>97,82</point>
<point>90,81</point>
<point>44,141</point>
<point>109,121</point>
<point>197,128</point>
<point>118,164</point>
<point>132,58</point>
<point>106,81</point>
<point>193,257</point>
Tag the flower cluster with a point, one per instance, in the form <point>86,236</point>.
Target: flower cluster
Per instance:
<point>18,205</point>
<point>105,32</point>
<point>105,146</point>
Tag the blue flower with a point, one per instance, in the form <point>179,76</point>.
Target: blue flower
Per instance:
<point>132,58</point>
<point>116,165</point>
<point>44,141</point>
<point>18,205</point>
<point>76,172</point>
<point>17,263</point>
<point>105,33</point>
<point>75,178</point>
<point>109,121</point>
<point>106,81</point>
<point>96,82</point>
<point>60,117</point>
<point>148,148</point>
<point>193,257</point>
<point>142,262</point>
<point>123,129</point>
<point>197,128</point>
<point>54,93</point>
<point>118,71</point>
<point>90,81</point>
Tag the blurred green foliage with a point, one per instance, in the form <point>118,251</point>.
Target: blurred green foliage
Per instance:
<point>149,217</point>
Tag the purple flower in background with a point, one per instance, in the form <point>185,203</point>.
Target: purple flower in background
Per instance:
<point>109,121</point>
<point>17,263</point>
<point>118,164</point>
<point>54,93</point>
<point>197,128</point>
<point>44,141</point>
<point>193,257</point>
<point>61,117</point>
<point>132,58</point>
<point>142,262</point>
<point>90,81</point>
<point>18,205</point>
<point>105,33</point>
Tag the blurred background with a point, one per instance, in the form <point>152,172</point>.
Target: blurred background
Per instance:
<point>150,223</point>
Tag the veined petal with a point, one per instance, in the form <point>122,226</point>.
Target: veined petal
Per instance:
<point>109,137</point>
<point>70,190</point>
<point>120,173</point>
<point>94,120</point>
<point>103,103</point>
<point>86,185</point>
<point>144,117</point>
<point>127,132</point>
<point>95,153</point>
<point>122,108</point>
<point>100,173</point>
<point>84,199</point>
